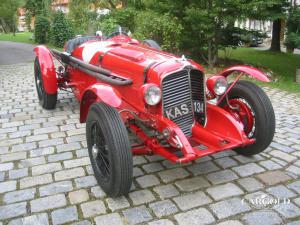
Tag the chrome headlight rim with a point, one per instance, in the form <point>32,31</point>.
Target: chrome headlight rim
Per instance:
<point>220,86</point>
<point>152,95</point>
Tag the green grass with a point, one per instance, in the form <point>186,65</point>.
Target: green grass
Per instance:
<point>282,65</point>
<point>20,37</point>
<point>24,37</point>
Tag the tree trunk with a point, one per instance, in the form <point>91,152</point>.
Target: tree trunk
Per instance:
<point>275,44</point>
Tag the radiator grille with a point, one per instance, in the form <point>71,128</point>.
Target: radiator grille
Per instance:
<point>198,93</point>
<point>179,89</point>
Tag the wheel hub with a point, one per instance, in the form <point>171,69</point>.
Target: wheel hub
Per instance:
<point>95,151</point>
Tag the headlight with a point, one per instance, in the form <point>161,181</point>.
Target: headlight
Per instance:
<point>220,86</point>
<point>152,95</point>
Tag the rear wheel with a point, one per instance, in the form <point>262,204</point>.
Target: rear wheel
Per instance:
<point>109,149</point>
<point>47,101</point>
<point>250,106</point>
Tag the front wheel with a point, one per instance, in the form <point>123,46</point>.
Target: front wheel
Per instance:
<point>47,101</point>
<point>109,149</point>
<point>250,105</point>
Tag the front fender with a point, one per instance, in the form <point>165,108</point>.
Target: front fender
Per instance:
<point>98,93</point>
<point>251,71</point>
<point>47,68</point>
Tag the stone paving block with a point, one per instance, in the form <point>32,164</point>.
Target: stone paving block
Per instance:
<point>8,186</point>
<point>248,159</point>
<point>117,203</point>
<point>34,181</point>
<point>84,182</point>
<point>163,208</point>
<point>195,217</point>
<point>41,152</point>
<point>153,167</point>
<point>83,222</point>
<point>192,200</point>
<point>229,207</point>
<point>226,162</point>
<point>32,162</point>
<point>2,174</point>
<point>224,191</point>
<point>68,147</point>
<point>50,202</point>
<point>93,208</point>
<point>273,177</point>
<point>161,222</point>
<point>12,210</point>
<point>288,210</point>
<point>295,186</point>
<point>77,162</point>
<point>262,217</point>
<point>82,153</point>
<point>297,201</point>
<point>56,188</point>
<point>203,168</point>
<point>78,196</point>
<point>33,138</point>
<point>166,191</point>
<point>111,219</point>
<point>173,174</point>
<point>12,157</point>
<point>230,222</point>
<point>138,160</point>
<point>224,154</point>
<point>69,174</point>
<point>270,165</point>
<point>48,168</point>
<point>281,192</point>
<point>97,192</point>
<point>65,215</point>
<point>6,166</point>
<point>141,197</point>
<point>248,169</point>
<point>51,142</point>
<point>294,169</point>
<point>137,172</point>
<point>60,157</point>
<point>137,215</point>
<point>36,219</point>
<point>284,156</point>
<point>147,181</point>
<point>250,184</point>
<point>192,184</point>
<point>19,196</point>
<point>223,176</point>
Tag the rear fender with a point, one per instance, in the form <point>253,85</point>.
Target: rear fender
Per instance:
<point>251,71</point>
<point>47,68</point>
<point>98,93</point>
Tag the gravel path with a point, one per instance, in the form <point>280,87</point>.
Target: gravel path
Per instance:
<point>13,52</point>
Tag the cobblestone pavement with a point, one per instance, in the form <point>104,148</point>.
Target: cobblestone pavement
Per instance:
<point>46,177</point>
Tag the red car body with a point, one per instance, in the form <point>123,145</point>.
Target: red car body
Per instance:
<point>137,66</point>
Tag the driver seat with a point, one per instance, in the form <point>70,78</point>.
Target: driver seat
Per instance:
<point>73,43</point>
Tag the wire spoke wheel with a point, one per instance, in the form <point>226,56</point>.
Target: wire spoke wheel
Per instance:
<point>100,151</point>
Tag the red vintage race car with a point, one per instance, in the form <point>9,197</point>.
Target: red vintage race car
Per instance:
<point>128,88</point>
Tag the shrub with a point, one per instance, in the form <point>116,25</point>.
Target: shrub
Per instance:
<point>61,29</point>
<point>41,29</point>
<point>164,29</point>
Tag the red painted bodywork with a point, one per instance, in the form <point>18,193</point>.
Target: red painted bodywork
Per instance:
<point>47,68</point>
<point>128,58</point>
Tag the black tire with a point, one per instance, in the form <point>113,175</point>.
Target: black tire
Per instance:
<point>152,44</point>
<point>112,160</point>
<point>264,116</point>
<point>47,101</point>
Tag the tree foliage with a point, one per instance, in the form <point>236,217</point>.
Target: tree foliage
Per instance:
<point>8,14</point>
<point>41,29</point>
<point>61,29</point>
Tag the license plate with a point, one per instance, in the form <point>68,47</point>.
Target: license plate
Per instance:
<point>198,106</point>
<point>177,111</point>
